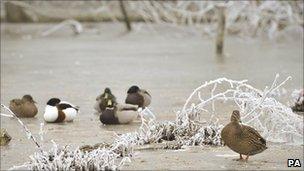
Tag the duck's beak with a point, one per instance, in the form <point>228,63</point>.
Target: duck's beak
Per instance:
<point>106,95</point>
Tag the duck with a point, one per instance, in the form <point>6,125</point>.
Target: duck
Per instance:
<point>119,113</point>
<point>299,103</point>
<point>101,100</point>
<point>5,138</point>
<point>60,111</point>
<point>24,107</point>
<point>241,138</point>
<point>137,96</point>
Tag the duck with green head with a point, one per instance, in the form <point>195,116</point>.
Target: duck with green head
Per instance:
<point>24,107</point>
<point>103,100</point>
<point>242,139</point>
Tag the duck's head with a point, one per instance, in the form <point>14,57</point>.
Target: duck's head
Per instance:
<point>28,98</point>
<point>235,117</point>
<point>107,92</point>
<point>133,89</point>
<point>53,101</point>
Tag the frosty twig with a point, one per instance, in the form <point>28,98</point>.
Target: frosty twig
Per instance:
<point>27,131</point>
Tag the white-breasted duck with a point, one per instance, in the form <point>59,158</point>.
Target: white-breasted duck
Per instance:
<point>60,111</point>
<point>137,96</point>
<point>24,107</point>
<point>119,114</point>
<point>102,100</point>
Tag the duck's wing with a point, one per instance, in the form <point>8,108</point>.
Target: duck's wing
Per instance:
<point>126,113</point>
<point>16,102</point>
<point>135,99</point>
<point>69,104</point>
<point>16,106</point>
<point>62,106</point>
<point>125,107</point>
<point>146,96</point>
<point>145,92</point>
<point>250,141</point>
<point>251,133</point>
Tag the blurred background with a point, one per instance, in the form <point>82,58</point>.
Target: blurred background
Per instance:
<point>74,49</point>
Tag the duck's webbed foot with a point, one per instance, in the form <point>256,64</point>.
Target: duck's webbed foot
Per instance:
<point>239,159</point>
<point>242,159</point>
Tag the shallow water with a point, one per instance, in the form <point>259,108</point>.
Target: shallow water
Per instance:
<point>168,63</point>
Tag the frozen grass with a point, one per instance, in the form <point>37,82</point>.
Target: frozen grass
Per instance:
<point>260,109</point>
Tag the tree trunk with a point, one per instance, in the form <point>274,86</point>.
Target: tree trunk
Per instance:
<point>220,31</point>
<point>125,15</point>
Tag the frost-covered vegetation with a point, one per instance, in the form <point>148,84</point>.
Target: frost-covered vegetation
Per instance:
<point>260,109</point>
<point>245,18</point>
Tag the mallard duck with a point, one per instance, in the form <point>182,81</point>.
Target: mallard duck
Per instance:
<point>24,107</point>
<point>59,111</point>
<point>5,138</point>
<point>299,103</point>
<point>137,96</point>
<point>102,100</point>
<point>242,139</point>
<point>119,114</point>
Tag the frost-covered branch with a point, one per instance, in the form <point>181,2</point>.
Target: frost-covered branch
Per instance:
<point>258,108</point>
<point>27,131</point>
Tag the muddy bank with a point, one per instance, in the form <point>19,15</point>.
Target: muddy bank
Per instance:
<point>168,62</point>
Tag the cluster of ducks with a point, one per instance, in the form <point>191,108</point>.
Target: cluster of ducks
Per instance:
<point>55,110</point>
<point>106,106</point>
<point>240,138</point>
<point>112,112</point>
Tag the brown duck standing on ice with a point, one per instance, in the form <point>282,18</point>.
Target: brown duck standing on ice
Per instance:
<point>24,107</point>
<point>137,96</point>
<point>241,138</point>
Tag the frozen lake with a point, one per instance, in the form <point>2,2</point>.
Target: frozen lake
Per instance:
<point>168,62</point>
